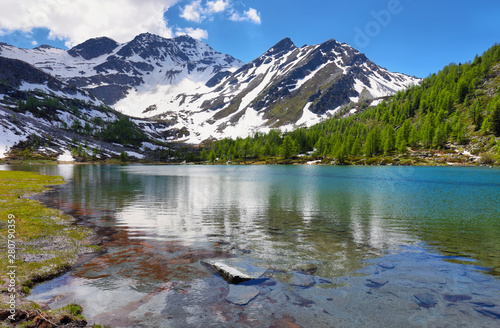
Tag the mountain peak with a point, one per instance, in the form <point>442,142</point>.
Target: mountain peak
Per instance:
<point>185,38</point>
<point>45,46</point>
<point>93,48</point>
<point>281,47</point>
<point>148,37</point>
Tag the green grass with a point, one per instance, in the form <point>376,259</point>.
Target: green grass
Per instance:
<point>74,309</point>
<point>37,227</point>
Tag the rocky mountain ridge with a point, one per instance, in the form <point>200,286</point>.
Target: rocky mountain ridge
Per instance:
<point>190,87</point>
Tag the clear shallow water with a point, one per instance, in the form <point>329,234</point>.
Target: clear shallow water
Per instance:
<point>379,239</point>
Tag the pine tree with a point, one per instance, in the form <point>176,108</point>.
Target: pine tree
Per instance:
<point>406,130</point>
<point>267,148</point>
<point>473,112</point>
<point>246,146</point>
<point>426,135</point>
<point>287,148</point>
<point>320,146</point>
<point>204,155</point>
<point>413,139</point>
<point>479,121</point>
<point>389,139</point>
<point>486,125</point>
<point>230,153</point>
<point>342,153</point>
<point>459,131</point>
<point>257,149</point>
<point>462,90</point>
<point>401,143</point>
<point>371,146</point>
<point>439,139</point>
<point>356,147</point>
<point>211,156</point>
<point>495,119</point>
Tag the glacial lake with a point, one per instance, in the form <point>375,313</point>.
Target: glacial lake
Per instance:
<point>336,246</point>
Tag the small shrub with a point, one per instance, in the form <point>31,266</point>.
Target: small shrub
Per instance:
<point>73,308</point>
<point>487,159</point>
<point>26,290</point>
<point>123,156</point>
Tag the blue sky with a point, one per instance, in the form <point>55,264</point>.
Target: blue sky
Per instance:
<point>408,36</point>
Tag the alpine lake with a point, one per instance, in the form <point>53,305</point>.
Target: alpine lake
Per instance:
<point>332,246</point>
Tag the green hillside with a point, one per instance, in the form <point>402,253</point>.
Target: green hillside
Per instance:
<point>452,117</point>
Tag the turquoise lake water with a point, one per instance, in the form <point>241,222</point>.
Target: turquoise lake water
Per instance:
<point>391,246</point>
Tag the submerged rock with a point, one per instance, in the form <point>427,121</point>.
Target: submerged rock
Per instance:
<point>426,300</point>
<point>302,280</point>
<point>376,282</point>
<point>387,265</point>
<point>484,304</point>
<point>493,313</point>
<point>241,295</point>
<point>456,298</point>
<point>306,268</point>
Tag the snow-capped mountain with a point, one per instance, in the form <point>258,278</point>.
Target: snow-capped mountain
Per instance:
<point>206,94</point>
<point>111,70</point>
<point>286,87</point>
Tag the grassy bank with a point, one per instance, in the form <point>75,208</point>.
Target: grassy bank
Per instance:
<point>36,244</point>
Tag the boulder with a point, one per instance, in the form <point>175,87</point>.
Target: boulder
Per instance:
<point>241,295</point>
<point>302,280</point>
<point>306,268</point>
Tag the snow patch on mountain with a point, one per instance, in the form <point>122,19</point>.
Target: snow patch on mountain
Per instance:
<point>10,135</point>
<point>65,157</point>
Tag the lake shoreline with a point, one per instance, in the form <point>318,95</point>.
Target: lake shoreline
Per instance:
<point>47,247</point>
<point>453,156</point>
<point>236,163</point>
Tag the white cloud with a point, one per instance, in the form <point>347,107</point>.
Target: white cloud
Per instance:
<point>196,12</point>
<point>194,33</point>
<point>253,15</point>
<point>193,12</point>
<point>250,15</point>
<point>80,20</point>
<point>217,6</point>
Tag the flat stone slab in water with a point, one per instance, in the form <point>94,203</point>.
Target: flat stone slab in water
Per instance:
<point>241,295</point>
<point>231,273</point>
